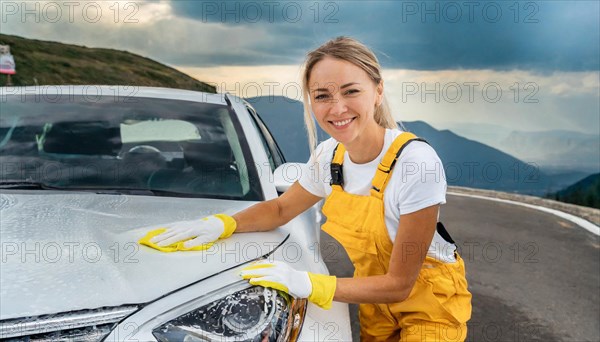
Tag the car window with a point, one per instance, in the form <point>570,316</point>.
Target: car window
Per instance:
<point>172,147</point>
<point>273,152</point>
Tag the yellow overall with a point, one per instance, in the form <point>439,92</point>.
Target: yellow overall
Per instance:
<point>439,304</point>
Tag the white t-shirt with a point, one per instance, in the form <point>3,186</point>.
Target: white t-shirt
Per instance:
<point>418,181</point>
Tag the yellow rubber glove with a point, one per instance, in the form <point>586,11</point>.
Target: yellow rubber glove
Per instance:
<point>193,235</point>
<point>318,288</point>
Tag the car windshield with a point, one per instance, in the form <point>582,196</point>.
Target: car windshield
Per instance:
<point>156,146</point>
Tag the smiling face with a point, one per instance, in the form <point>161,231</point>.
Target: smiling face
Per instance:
<point>343,99</point>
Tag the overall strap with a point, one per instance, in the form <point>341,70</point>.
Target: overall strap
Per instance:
<point>385,168</point>
<point>337,177</point>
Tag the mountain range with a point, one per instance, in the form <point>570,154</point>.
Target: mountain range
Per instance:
<point>467,162</point>
<point>555,151</point>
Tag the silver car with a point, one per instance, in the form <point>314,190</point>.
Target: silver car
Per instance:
<point>87,171</point>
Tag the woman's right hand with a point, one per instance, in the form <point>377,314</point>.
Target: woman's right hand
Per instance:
<point>202,231</point>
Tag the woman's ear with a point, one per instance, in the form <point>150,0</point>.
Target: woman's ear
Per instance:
<point>379,93</point>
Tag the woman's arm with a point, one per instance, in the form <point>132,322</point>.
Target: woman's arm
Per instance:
<point>414,236</point>
<point>271,214</point>
<point>259,217</point>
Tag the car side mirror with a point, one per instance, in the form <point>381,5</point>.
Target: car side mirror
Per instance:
<point>286,175</point>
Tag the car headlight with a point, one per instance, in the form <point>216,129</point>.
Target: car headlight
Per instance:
<point>251,314</point>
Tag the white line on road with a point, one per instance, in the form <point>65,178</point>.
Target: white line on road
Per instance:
<point>585,224</point>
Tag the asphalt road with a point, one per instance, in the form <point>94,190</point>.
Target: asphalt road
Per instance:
<point>534,276</point>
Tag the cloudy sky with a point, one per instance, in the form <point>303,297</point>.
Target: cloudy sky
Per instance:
<point>528,65</point>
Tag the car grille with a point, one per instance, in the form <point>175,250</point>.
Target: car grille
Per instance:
<point>84,325</point>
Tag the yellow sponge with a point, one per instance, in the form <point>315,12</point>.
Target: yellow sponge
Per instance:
<point>178,246</point>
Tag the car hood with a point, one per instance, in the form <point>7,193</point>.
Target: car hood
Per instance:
<point>64,251</point>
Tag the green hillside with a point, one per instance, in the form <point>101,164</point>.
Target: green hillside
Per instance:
<point>585,192</point>
<point>50,63</point>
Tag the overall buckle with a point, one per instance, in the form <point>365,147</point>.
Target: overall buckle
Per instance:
<point>337,176</point>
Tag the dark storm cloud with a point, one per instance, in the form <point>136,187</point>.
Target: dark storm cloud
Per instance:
<point>423,35</point>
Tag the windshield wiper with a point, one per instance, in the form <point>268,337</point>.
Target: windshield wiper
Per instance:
<point>26,185</point>
<point>142,192</point>
<point>32,185</point>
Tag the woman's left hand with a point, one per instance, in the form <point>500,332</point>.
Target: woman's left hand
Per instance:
<point>318,288</point>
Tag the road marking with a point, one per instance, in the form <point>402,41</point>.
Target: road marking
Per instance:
<point>585,224</point>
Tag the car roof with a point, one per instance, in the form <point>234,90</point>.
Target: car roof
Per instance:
<point>93,91</point>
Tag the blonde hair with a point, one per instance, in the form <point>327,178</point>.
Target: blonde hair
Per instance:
<point>353,51</point>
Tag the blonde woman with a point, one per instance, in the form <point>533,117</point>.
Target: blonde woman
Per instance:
<point>408,279</point>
